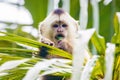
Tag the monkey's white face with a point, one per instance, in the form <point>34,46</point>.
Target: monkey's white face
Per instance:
<point>59,29</point>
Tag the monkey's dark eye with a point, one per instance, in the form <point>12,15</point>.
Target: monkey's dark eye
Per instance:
<point>55,25</point>
<point>64,25</point>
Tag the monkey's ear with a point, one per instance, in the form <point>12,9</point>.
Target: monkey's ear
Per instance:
<point>77,25</point>
<point>78,22</point>
<point>40,27</point>
<point>40,30</point>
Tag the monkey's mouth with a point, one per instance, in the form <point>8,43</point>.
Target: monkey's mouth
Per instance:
<point>59,37</point>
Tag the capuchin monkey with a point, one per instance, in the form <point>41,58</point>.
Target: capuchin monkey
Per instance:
<point>59,29</point>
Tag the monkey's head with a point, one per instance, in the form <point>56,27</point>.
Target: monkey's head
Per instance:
<point>59,25</point>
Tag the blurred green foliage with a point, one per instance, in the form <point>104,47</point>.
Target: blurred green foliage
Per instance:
<point>38,9</point>
<point>109,24</point>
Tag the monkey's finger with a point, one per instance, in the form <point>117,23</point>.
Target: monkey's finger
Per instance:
<point>51,44</point>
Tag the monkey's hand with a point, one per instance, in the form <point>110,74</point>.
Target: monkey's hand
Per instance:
<point>43,50</point>
<point>64,45</point>
<point>47,41</point>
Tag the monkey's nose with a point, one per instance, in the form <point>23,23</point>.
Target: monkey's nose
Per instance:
<point>59,30</point>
